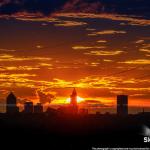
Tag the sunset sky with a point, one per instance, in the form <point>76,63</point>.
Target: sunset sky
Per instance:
<point>101,54</point>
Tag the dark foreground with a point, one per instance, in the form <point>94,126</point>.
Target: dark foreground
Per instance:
<point>72,132</point>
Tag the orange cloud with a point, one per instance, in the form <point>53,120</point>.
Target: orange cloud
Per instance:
<point>104,53</point>
<point>87,47</point>
<point>128,19</point>
<point>101,41</point>
<point>14,68</point>
<point>139,41</point>
<point>106,32</point>
<point>70,23</point>
<point>7,50</point>
<point>137,61</point>
<point>107,60</point>
<point>8,57</point>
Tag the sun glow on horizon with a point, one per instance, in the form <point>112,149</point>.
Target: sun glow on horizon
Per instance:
<point>79,100</point>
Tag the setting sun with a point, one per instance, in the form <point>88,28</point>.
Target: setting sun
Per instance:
<point>79,99</point>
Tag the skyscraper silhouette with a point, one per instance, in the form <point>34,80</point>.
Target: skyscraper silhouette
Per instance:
<point>122,105</point>
<point>28,107</point>
<point>11,104</point>
<point>73,102</point>
<point>73,97</point>
<point>38,108</point>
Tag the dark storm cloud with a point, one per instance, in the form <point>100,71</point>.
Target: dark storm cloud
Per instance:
<point>46,6</point>
<point>135,7</point>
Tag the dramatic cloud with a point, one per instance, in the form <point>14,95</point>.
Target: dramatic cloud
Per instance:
<point>52,52</point>
<point>45,7</point>
<point>38,17</point>
<point>16,80</point>
<point>95,6</point>
<point>82,6</point>
<point>45,97</point>
<point>125,19</point>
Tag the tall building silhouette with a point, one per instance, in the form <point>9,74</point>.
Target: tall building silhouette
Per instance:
<point>11,104</point>
<point>73,97</point>
<point>122,104</point>
<point>28,107</point>
<point>38,108</point>
<point>73,102</point>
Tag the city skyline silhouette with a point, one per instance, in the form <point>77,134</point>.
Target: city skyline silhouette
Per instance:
<point>72,106</point>
<point>79,128</point>
<point>75,74</point>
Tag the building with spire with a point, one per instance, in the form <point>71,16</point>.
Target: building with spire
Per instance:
<point>73,102</point>
<point>73,98</point>
<point>72,107</point>
<point>11,104</point>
